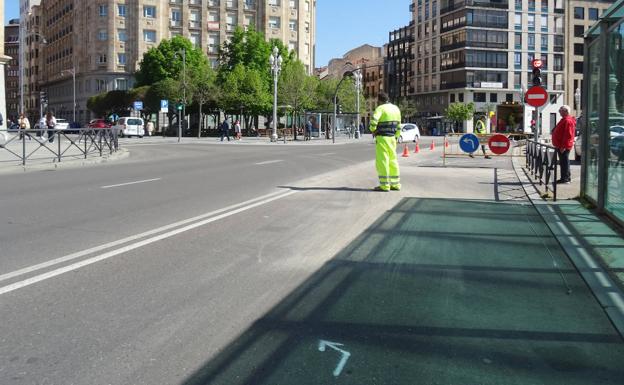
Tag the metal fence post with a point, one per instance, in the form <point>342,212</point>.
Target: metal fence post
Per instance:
<point>58,141</point>
<point>23,148</point>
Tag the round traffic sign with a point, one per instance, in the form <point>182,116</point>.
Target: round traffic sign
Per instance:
<point>537,63</point>
<point>536,96</point>
<point>499,144</point>
<point>469,143</point>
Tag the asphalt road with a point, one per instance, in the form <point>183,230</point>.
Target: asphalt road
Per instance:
<point>139,271</point>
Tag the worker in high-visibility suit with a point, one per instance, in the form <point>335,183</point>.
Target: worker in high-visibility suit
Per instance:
<point>386,127</point>
<point>479,129</point>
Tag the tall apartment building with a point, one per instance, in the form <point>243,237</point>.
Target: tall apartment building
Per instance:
<point>29,41</point>
<point>579,16</point>
<point>11,69</point>
<point>481,51</point>
<point>400,59</point>
<point>102,42</point>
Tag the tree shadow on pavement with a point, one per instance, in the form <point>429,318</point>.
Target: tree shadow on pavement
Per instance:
<point>410,302</point>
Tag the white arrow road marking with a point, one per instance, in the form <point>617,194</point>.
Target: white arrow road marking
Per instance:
<point>343,359</point>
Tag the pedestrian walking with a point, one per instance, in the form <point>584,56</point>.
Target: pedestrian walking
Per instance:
<point>237,130</point>
<point>386,128</point>
<point>308,129</point>
<point>150,127</point>
<point>50,122</point>
<point>480,130</point>
<point>41,126</point>
<point>24,124</point>
<point>563,141</point>
<point>225,129</point>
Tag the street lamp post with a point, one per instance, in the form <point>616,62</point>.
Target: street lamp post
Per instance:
<point>182,53</point>
<point>275,60</point>
<point>72,71</point>
<point>358,85</point>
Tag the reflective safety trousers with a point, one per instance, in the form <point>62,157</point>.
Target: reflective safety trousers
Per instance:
<point>386,162</point>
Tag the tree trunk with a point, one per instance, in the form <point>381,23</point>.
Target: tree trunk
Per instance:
<point>201,120</point>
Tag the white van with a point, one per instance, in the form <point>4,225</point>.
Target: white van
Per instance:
<point>130,126</point>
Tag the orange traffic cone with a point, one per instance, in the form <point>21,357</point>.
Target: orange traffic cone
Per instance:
<point>405,151</point>
<point>416,148</point>
<point>432,147</point>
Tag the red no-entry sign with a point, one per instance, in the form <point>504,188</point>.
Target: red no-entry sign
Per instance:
<point>499,144</point>
<point>536,96</point>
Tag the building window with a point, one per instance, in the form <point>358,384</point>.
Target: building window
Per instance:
<point>213,43</point>
<point>231,21</point>
<point>100,85</point>
<point>531,42</point>
<point>452,98</point>
<point>293,4</point>
<point>102,59</point>
<point>307,6</point>
<point>121,58</point>
<point>292,46</point>
<point>493,98</point>
<point>121,84</point>
<point>518,40</point>
<point>579,13</point>
<point>461,97</point>
<point>103,10</point>
<point>292,25</point>
<point>274,22</point>
<point>176,18</point>
<point>544,23</point>
<point>592,13</point>
<point>121,10</point>
<point>558,63</point>
<point>102,35</point>
<point>517,60</point>
<point>518,21</point>
<point>274,3</point>
<point>578,31</point>
<point>531,21</point>
<point>544,43</point>
<point>149,36</point>
<point>578,48</point>
<point>578,67</point>
<point>149,11</point>
<point>121,35</point>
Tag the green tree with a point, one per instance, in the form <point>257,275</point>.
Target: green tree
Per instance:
<point>243,89</point>
<point>117,101</point>
<point>204,90</point>
<point>408,108</point>
<point>460,112</point>
<point>296,88</point>
<point>165,61</point>
<point>166,89</point>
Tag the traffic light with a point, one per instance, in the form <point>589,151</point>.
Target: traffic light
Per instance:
<point>179,106</point>
<point>340,108</point>
<point>537,72</point>
<point>43,97</point>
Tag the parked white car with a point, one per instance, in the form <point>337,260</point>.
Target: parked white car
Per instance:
<point>61,124</point>
<point>130,126</point>
<point>409,133</point>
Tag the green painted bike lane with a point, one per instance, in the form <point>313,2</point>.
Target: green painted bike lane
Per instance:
<point>435,292</point>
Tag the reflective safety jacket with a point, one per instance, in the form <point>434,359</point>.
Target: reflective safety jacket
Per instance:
<point>386,121</point>
<point>480,127</point>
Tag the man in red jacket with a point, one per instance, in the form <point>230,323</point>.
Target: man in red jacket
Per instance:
<point>563,141</point>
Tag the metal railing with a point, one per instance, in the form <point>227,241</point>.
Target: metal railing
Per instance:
<point>541,161</point>
<point>80,142</point>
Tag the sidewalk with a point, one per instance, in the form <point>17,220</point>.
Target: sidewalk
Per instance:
<point>461,281</point>
<point>41,154</point>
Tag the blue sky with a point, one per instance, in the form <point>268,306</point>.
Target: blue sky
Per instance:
<point>341,24</point>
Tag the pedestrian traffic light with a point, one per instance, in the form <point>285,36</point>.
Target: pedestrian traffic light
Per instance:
<point>537,72</point>
<point>179,106</point>
<point>43,97</point>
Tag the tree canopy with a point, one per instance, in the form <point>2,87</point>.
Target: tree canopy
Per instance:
<point>166,62</point>
<point>460,112</point>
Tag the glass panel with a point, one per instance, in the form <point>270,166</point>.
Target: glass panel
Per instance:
<point>592,155</point>
<point>614,200</point>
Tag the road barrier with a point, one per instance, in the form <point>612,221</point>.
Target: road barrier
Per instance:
<point>541,161</point>
<point>80,142</point>
<point>515,143</point>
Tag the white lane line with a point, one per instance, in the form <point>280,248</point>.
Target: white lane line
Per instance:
<point>129,183</point>
<point>131,238</point>
<point>269,162</point>
<point>145,242</point>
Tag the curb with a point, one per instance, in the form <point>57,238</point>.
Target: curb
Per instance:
<point>120,154</point>
<point>599,281</point>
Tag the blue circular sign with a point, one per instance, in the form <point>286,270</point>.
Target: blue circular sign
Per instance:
<point>469,143</point>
